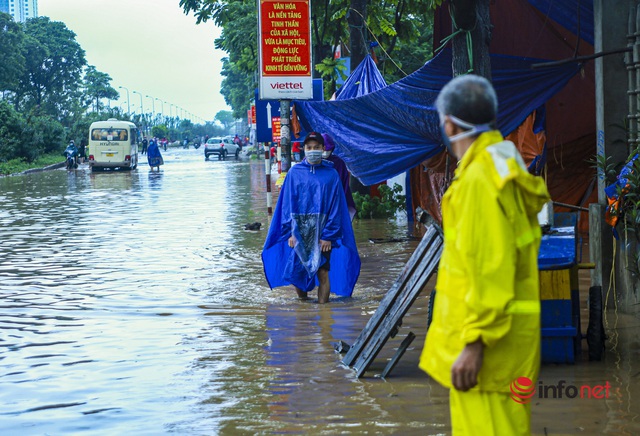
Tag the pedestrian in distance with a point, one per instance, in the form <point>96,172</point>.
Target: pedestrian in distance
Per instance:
<point>273,152</point>
<point>154,157</point>
<point>145,144</point>
<point>310,241</point>
<point>82,150</point>
<point>485,331</point>
<point>295,149</point>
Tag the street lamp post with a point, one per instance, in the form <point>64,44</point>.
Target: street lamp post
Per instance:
<point>153,109</point>
<point>141,103</point>
<point>161,106</point>
<point>128,104</point>
<point>142,114</point>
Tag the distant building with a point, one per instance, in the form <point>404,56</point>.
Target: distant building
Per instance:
<point>20,10</point>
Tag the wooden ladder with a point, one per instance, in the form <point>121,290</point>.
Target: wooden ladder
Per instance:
<point>387,319</point>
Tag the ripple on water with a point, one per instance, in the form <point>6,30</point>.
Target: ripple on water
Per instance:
<point>135,303</point>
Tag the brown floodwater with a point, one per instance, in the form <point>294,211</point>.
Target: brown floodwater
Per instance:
<point>135,303</point>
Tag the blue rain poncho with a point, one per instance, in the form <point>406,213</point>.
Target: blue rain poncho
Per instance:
<point>154,157</point>
<point>311,206</point>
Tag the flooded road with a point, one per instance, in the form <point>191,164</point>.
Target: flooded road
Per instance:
<point>135,303</point>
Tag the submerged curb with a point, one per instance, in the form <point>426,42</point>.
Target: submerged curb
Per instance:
<point>38,170</point>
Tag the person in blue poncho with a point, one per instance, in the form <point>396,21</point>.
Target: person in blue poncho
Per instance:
<point>310,240</point>
<point>154,157</point>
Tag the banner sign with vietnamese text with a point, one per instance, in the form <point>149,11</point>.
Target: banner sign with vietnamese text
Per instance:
<point>284,33</point>
<point>275,129</point>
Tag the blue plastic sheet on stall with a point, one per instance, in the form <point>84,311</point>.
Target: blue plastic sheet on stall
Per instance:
<point>387,132</point>
<point>565,13</point>
<point>558,249</point>
<point>365,79</point>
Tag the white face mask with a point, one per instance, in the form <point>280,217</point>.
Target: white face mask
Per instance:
<point>472,129</point>
<point>326,154</point>
<point>314,156</point>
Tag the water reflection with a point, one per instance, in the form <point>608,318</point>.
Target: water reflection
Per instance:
<point>155,179</point>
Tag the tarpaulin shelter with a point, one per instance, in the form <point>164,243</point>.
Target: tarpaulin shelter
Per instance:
<point>366,78</point>
<point>384,133</point>
<point>554,30</point>
<point>393,129</point>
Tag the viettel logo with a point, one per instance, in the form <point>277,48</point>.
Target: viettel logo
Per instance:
<point>522,389</point>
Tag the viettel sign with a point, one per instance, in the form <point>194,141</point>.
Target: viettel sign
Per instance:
<point>284,34</point>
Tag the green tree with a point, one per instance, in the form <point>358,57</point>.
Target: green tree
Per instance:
<point>239,23</point>
<point>11,126</point>
<point>98,86</point>
<point>226,119</point>
<point>54,63</point>
<point>11,58</point>
<point>27,138</point>
<point>160,131</point>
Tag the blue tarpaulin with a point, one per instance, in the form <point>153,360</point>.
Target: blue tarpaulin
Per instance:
<point>387,132</point>
<point>366,78</point>
<point>566,14</point>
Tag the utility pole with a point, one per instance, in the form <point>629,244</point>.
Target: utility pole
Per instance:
<point>285,134</point>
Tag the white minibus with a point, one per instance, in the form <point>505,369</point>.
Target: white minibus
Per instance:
<point>113,144</point>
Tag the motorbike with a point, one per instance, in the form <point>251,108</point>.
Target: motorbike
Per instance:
<point>71,157</point>
<point>196,144</point>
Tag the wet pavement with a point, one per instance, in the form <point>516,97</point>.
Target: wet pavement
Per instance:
<point>135,303</point>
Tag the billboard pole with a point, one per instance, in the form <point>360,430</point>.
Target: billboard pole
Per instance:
<point>285,134</point>
<point>267,172</point>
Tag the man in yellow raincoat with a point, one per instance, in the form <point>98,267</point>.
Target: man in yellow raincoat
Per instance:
<point>485,331</point>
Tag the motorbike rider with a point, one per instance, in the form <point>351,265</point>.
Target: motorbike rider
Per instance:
<point>71,151</point>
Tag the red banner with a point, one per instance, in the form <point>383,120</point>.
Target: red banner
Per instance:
<point>275,129</point>
<point>285,38</point>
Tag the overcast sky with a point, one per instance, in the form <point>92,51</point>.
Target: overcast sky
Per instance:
<point>148,46</point>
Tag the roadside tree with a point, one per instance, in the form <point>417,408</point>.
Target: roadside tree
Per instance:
<point>226,118</point>
<point>160,131</point>
<point>97,86</point>
<point>11,58</point>
<point>51,81</point>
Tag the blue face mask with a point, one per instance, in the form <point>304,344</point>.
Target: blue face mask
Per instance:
<point>314,157</point>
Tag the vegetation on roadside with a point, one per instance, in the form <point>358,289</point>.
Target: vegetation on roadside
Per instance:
<point>19,165</point>
<point>385,206</point>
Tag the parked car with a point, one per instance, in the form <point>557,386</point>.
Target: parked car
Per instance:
<point>221,147</point>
